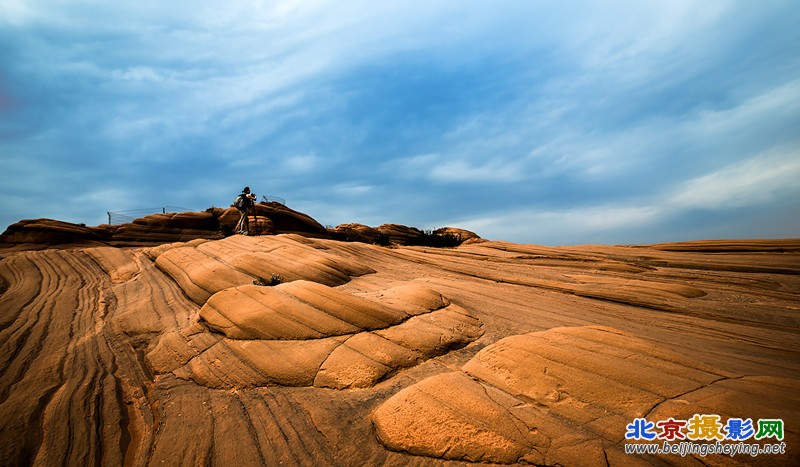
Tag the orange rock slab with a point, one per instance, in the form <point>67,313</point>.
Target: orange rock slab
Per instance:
<point>565,397</point>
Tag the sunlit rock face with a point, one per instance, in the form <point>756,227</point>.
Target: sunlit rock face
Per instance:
<point>290,349</point>
<point>563,397</point>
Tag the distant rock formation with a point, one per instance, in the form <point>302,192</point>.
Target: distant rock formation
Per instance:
<point>162,228</point>
<point>271,219</point>
<point>357,233</point>
<point>49,232</point>
<point>155,228</point>
<point>465,236</point>
<point>397,234</point>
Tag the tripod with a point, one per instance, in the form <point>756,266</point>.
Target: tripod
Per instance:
<point>256,230</point>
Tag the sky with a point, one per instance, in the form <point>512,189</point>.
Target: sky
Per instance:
<point>553,123</point>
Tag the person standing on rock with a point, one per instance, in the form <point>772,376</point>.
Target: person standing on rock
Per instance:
<point>244,202</point>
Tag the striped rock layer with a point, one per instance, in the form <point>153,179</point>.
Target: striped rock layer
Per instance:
<point>490,352</point>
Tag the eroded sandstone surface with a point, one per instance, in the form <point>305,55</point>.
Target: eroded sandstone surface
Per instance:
<point>297,350</point>
<point>564,397</point>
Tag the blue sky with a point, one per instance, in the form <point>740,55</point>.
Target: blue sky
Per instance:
<point>536,122</point>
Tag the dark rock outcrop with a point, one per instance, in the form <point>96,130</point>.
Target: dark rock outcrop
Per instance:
<point>465,236</point>
<point>270,219</point>
<point>215,223</point>
<point>356,233</point>
<point>48,232</point>
<point>397,234</point>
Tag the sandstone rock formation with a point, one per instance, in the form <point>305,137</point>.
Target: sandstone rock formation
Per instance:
<point>356,233</point>
<point>277,218</point>
<point>465,236</point>
<point>182,353</point>
<point>209,267</point>
<point>170,227</point>
<point>41,233</point>
<point>397,234</point>
<point>564,397</point>
<point>269,218</point>
<point>307,334</point>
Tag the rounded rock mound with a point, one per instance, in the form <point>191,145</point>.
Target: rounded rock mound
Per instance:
<point>302,310</point>
<point>203,269</point>
<point>305,333</point>
<point>563,396</point>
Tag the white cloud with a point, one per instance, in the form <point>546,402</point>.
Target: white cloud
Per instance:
<point>636,42</point>
<point>15,12</point>
<point>103,195</point>
<point>453,167</point>
<point>245,162</point>
<point>704,138</point>
<point>780,103</point>
<point>758,181</point>
<point>138,73</point>
<point>352,189</point>
<point>302,163</point>
<point>493,170</point>
<point>562,226</point>
<point>755,181</point>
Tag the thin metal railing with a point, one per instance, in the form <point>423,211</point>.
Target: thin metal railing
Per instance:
<point>128,215</point>
<point>274,199</point>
